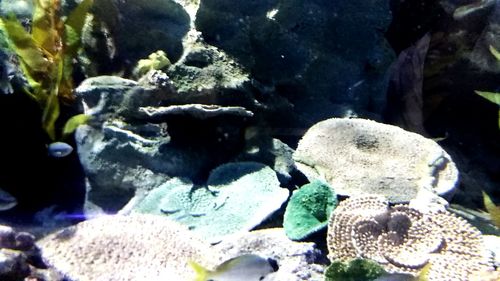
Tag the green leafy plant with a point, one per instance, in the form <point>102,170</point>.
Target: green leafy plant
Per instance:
<point>354,270</point>
<point>492,96</point>
<point>492,209</point>
<point>46,54</point>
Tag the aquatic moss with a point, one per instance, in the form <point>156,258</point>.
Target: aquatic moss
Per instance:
<point>308,210</point>
<point>354,270</point>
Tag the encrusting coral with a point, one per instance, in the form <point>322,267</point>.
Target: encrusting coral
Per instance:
<point>124,248</point>
<point>404,240</point>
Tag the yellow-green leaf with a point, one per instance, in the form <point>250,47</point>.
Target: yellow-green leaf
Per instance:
<point>495,52</point>
<point>25,47</point>
<point>74,25</point>
<point>47,26</point>
<point>73,123</point>
<point>50,114</point>
<point>492,209</point>
<point>491,96</point>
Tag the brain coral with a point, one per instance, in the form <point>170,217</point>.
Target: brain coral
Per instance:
<point>358,156</point>
<point>119,248</point>
<point>404,240</point>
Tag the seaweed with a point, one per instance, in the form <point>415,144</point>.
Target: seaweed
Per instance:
<point>492,96</point>
<point>493,210</point>
<point>46,54</point>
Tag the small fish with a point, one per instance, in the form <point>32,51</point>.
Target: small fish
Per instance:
<point>7,201</point>
<point>422,276</point>
<point>243,268</point>
<point>59,149</point>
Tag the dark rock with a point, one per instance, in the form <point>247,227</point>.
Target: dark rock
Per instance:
<point>122,32</point>
<point>333,51</point>
<point>133,143</point>
<point>13,265</point>
<point>24,241</point>
<point>7,237</point>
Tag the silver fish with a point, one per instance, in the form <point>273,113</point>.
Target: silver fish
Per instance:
<point>59,149</point>
<point>7,201</point>
<point>243,268</point>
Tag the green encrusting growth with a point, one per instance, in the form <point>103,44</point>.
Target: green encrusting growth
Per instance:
<point>309,210</point>
<point>46,54</point>
<point>354,270</point>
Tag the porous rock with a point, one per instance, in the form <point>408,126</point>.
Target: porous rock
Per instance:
<point>359,156</point>
<point>135,247</point>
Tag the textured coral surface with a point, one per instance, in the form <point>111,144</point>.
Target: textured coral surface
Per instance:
<point>405,240</point>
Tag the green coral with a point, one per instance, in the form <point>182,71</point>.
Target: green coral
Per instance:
<point>354,270</point>
<point>308,210</point>
<point>46,54</point>
<point>155,61</point>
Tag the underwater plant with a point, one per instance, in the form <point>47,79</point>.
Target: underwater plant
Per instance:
<point>492,209</point>
<point>155,61</point>
<point>46,55</point>
<point>354,270</point>
<point>492,96</point>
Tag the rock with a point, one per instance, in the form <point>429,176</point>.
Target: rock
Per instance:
<point>357,156</point>
<point>136,247</point>
<point>199,111</point>
<point>308,210</point>
<point>296,260</point>
<point>123,32</point>
<point>261,147</point>
<point>7,237</point>
<point>237,198</point>
<point>13,265</point>
<point>206,73</point>
<point>303,51</point>
<point>21,8</point>
<point>24,241</point>
<point>113,182</point>
<point>132,145</point>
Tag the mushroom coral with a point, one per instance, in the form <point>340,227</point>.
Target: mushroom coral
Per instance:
<point>404,240</point>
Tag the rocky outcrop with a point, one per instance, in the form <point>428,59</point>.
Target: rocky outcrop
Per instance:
<point>327,58</point>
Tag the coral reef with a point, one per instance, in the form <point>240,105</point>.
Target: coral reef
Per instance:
<point>222,207</point>
<point>297,261</point>
<point>308,210</point>
<point>405,240</point>
<point>135,247</point>
<point>358,156</point>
